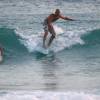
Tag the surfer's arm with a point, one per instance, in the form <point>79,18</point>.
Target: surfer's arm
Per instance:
<point>66,18</point>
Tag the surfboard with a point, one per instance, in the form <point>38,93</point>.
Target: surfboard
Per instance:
<point>42,50</point>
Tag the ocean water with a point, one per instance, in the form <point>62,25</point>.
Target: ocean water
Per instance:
<point>70,72</point>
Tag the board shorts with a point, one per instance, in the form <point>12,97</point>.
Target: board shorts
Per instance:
<point>45,24</point>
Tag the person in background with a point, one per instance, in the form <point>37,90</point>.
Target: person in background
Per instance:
<point>1,54</point>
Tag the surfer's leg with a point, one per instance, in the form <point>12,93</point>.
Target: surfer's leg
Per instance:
<point>44,38</point>
<point>45,33</point>
<point>51,40</point>
<point>52,31</point>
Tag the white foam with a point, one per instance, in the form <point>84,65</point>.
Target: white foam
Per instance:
<point>42,95</point>
<point>63,39</point>
<point>58,30</point>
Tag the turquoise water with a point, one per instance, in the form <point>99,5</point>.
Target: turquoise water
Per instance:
<point>70,72</point>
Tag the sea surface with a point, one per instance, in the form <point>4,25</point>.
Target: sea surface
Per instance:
<point>70,72</point>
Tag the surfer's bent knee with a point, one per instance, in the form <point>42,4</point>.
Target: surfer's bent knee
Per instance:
<point>53,36</point>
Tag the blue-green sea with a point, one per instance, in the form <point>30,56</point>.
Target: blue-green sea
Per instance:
<point>70,72</point>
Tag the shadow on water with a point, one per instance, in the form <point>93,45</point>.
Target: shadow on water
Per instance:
<point>50,64</point>
<point>50,77</point>
<point>40,56</point>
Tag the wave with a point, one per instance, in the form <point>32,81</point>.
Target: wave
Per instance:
<point>14,40</point>
<point>42,95</point>
<point>92,37</point>
<point>9,41</point>
<point>63,40</point>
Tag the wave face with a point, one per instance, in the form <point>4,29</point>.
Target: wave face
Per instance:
<point>9,38</point>
<point>10,41</point>
<point>92,37</point>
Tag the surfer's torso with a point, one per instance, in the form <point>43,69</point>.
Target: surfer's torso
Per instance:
<point>52,18</point>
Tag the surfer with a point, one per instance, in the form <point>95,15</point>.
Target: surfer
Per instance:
<point>48,27</point>
<point>1,54</point>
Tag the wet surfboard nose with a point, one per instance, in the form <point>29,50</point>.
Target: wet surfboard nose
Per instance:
<point>42,50</point>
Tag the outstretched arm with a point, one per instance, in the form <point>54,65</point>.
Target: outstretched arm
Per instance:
<point>66,18</point>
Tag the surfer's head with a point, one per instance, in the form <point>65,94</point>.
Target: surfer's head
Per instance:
<point>57,12</point>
